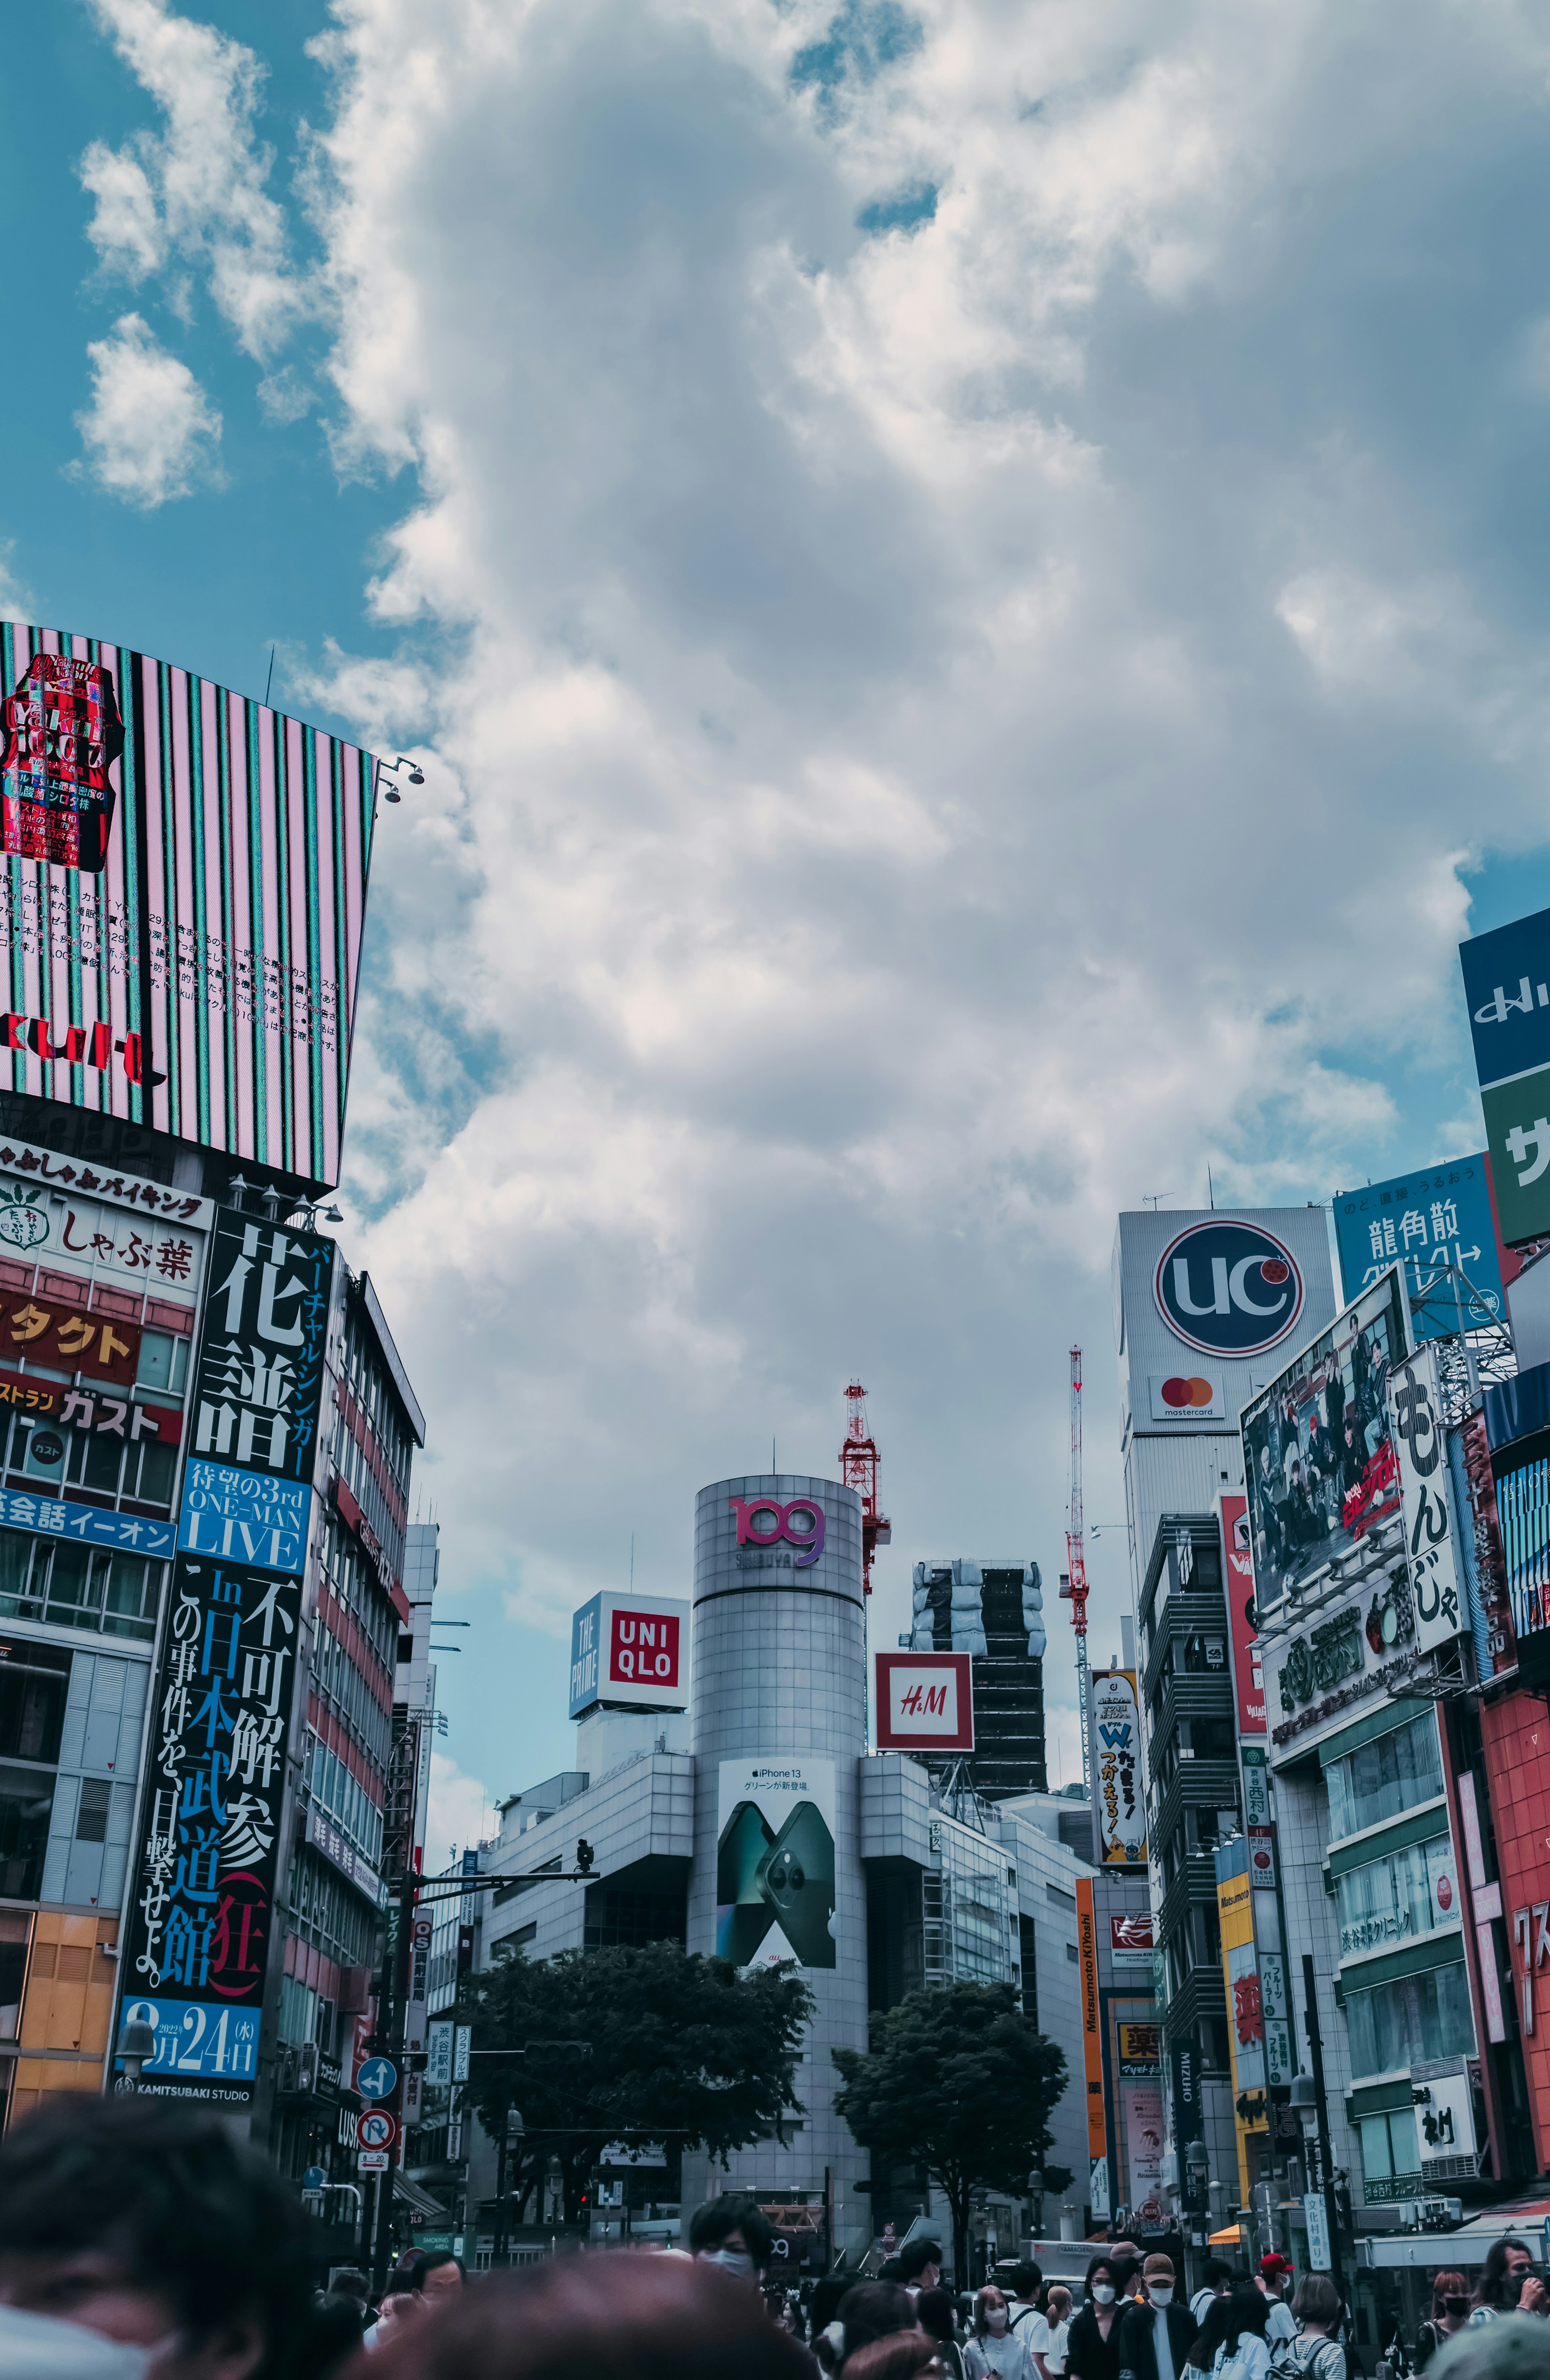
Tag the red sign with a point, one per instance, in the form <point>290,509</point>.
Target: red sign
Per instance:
<point>97,1345</point>
<point>925,1703</point>
<point>643,1649</point>
<point>1238,1569</point>
<point>377,2129</point>
<point>1133,1933</point>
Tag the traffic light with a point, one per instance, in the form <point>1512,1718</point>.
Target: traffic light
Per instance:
<point>584,1856</point>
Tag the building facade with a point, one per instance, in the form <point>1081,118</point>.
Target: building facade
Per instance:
<point>993,1611</point>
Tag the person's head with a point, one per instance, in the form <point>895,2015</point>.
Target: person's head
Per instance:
<point>936,2315</point>
<point>1027,2281</point>
<point>1276,2273</point>
<point>1058,2305</point>
<point>1157,2272</point>
<point>1507,2267</point>
<point>1244,2310</point>
<point>731,2232</point>
<point>634,2317</point>
<point>403,2306</point>
<point>1450,2297</point>
<point>890,2269</point>
<point>1099,2285</point>
<point>898,2357</point>
<point>1127,2272</point>
<point>873,2310</point>
<point>1317,2302</point>
<point>348,2282</point>
<point>147,2222</point>
<point>990,2314</point>
<point>1217,2274</point>
<point>920,2263</point>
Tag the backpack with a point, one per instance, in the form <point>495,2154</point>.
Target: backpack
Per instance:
<point>1308,2359</point>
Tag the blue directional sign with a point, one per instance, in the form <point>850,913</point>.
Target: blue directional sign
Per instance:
<point>315,2178</point>
<point>377,2079</point>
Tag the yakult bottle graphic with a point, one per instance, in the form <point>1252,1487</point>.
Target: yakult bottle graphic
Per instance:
<point>63,734</point>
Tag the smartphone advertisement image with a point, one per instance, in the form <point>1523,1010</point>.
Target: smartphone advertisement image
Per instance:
<point>774,1880</point>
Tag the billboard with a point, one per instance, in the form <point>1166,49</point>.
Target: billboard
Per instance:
<point>1244,1636</point>
<point>1441,1216</point>
<point>925,1702</point>
<point>1093,2053</point>
<point>775,1868</point>
<point>1437,1587</point>
<point>1230,1288</point>
<point>630,1651</point>
<point>1186,1398</point>
<point>1507,985</point>
<point>1117,1750</point>
<point>182,899</point>
<point>1318,1454</point>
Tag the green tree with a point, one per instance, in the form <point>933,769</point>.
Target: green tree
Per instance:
<point>959,2081</point>
<point>683,2049</point>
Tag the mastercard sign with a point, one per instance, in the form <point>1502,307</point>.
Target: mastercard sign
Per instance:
<point>1186,1397</point>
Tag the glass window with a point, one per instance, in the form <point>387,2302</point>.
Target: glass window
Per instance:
<point>69,1583</point>
<point>18,1599</point>
<point>157,1463</point>
<point>1390,2155</point>
<point>1391,1900</point>
<point>26,1806</point>
<point>1421,2016</point>
<point>1385,1777</point>
<point>33,1683</point>
<point>101,1457</point>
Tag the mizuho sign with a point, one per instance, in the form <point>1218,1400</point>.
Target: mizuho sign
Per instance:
<point>1228,1288</point>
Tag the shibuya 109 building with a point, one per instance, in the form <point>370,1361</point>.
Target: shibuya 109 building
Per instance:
<point>205,1567</point>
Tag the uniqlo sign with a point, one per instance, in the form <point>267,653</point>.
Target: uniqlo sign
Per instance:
<point>629,1649</point>
<point>925,1702</point>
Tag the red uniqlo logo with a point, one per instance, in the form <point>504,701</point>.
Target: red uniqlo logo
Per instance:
<point>643,1649</point>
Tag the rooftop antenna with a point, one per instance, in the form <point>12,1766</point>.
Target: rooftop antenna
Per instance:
<point>270,679</point>
<point>632,1561</point>
<point>1153,1198</point>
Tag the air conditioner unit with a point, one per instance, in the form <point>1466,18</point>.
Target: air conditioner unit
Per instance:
<point>307,2067</point>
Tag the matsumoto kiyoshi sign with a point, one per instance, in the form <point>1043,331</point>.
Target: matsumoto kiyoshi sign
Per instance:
<point>182,902</point>
<point>1228,1288</point>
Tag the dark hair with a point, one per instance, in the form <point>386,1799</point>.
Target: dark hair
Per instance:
<point>350,2282</point>
<point>913,2260</point>
<point>1317,2300</point>
<point>186,2209</point>
<point>635,2317</point>
<point>1215,2271</point>
<point>981,2324</point>
<point>874,2310</point>
<point>1099,2265</point>
<point>827,2299</point>
<point>1026,2278</point>
<point>719,2218</point>
<point>936,2313</point>
<point>1245,2308</point>
<point>891,2269</point>
<point>1492,2288</point>
<point>1446,2285</point>
<point>897,2357</point>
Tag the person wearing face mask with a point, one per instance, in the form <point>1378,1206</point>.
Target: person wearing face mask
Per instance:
<point>1450,2312</point>
<point>1155,2337</point>
<point>139,2240</point>
<point>994,2347</point>
<point>732,2233</point>
<point>1092,2342</point>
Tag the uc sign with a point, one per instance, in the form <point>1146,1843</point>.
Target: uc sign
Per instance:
<point>1228,1288</point>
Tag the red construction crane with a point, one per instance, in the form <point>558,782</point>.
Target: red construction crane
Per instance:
<point>1073,1586</point>
<point>858,1468</point>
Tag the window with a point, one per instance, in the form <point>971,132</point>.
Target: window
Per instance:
<point>1399,2024</point>
<point>1073,1954</point>
<point>116,1594</point>
<point>1383,1779</point>
<point>1390,2156</point>
<point>33,1682</point>
<point>91,1813</point>
<point>1392,1899</point>
<point>26,1806</point>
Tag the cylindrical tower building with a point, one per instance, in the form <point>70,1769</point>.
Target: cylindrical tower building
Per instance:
<point>779,1727</point>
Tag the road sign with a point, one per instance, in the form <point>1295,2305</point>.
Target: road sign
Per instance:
<point>377,2079</point>
<point>377,2129</point>
<point>461,2052</point>
<point>438,2065</point>
<point>315,2178</point>
<point>373,2161</point>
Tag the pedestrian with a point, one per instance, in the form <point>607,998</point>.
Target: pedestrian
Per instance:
<point>1051,2360</point>
<point>1450,2310</point>
<point>1275,2279</point>
<point>1231,2343</point>
<point>993,2347</point>
<point>1093,2344</point>
<point>1508,2283</point>
<point>733,2233</point>
<point>935,2313</point>
<point>870,2310</point>
<point>438,2272</point>
<point>341,2314</point>
<point>1023,2304</point>
<point>920,2266</point>
<point>1155,2339</point>
<point>1216,2279</point>
<point>1316,2352</point>
<point>402,2307</point>
<point>134,2231</point>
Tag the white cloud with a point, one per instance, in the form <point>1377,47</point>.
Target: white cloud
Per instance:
<point>461,1813</point>
<point>150,433</point>
<point>195,194</point>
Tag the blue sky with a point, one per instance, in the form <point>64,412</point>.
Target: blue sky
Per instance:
<point>968,580</point>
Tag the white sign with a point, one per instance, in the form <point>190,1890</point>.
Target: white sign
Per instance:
<point>1186,1398</point>
<point>438,2063</point>
<point>460,2053</point>
<point>374,2160</point>
<point>646,2152</point>
<point>1315,2214</point>
<point>775,1872</point>
<point>1445,2119</point>
<point>1431,1530</point>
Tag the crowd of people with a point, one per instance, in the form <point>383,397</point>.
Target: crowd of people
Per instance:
<point>141,2241</point>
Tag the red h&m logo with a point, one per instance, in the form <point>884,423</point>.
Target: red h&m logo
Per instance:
<point>643,1649</point>
<point>925,1702</point>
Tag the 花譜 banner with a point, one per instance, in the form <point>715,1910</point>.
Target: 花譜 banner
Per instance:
<point>182,902</point>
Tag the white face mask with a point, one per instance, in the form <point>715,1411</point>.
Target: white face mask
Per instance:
<point>41,2346</point>
<point>1103,2292</point>
<point>1161,2293</point>
<point>736,2261</point>
<point>997,2321</point>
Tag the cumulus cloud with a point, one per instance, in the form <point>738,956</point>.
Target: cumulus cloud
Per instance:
<point>460,1813</point>
<point>149,432</point>
<point>194,195</point>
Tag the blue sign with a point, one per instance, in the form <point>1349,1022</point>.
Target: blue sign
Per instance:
<point>1228,1289</point>
<point>125,1532</point>
<point>315,2178</point>
<point>1425,1221</point>
<point>377,2079</point>
<point>196,2040</point>
<point>1507,983</point>
<point>241,1516</point>
<point>586,1652</point>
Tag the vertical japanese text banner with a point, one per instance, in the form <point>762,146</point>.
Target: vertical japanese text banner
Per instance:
<point>1437,1586</point>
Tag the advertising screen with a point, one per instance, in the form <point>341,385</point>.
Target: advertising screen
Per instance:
<point>181,904</point>
<point>1319,1460</point>
<point>775,1871</point>
<point>1437,1218</point>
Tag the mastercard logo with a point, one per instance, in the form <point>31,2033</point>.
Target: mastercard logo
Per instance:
<point>1184,1395</point>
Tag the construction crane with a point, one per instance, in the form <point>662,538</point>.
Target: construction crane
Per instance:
<point>1073,1586</point>
<point>858,1468</point>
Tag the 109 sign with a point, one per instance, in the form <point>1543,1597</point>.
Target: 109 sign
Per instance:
<point>1228,1288</point>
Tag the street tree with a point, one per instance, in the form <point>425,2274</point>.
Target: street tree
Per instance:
<point>959,2081</point>
<point>635,2045</point>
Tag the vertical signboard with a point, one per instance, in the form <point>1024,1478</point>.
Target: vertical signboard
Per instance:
<point>1437,1585</point>
<point>1116,1750</point>
<point>1245,2010</point>
<point>182,891</point>
<point>1507,984</point>
<point>1093,2053</point>
<point>257,1391</point>
<point>1244,1636</point>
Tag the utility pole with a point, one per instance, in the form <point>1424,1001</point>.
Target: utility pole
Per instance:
<point>1326,2160</point>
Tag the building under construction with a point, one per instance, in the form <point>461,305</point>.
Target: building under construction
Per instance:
<point>994,1609</point>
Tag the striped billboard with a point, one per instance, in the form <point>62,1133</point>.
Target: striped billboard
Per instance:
<point>181,904</point>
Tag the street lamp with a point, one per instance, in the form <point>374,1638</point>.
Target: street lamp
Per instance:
<point>137,2042</point>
